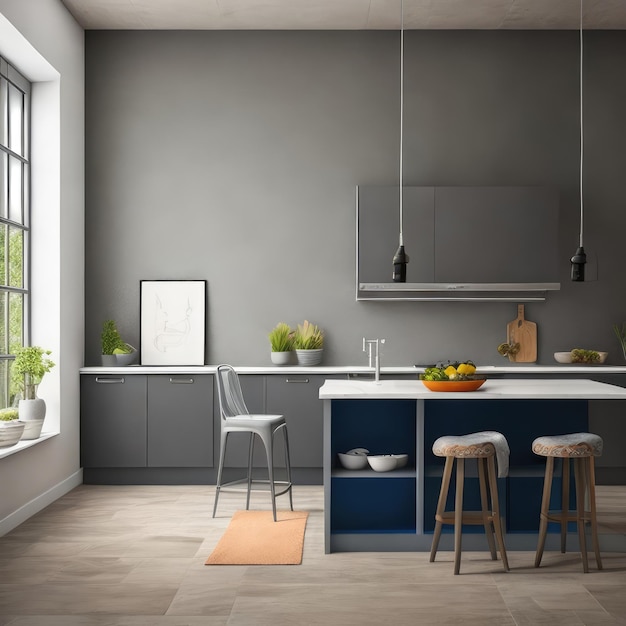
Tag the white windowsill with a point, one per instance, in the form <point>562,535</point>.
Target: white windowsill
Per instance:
<point>22,445</point>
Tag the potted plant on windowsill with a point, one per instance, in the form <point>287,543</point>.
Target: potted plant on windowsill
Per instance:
<point>281,341</point>
<point>115,351</point>
<point>29,367</point>
<point>11,429</point>
<point>309,343</point>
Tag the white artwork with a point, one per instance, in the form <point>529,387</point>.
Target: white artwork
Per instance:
<point>173,320</point>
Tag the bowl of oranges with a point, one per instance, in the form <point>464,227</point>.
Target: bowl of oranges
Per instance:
<point>452,376</point>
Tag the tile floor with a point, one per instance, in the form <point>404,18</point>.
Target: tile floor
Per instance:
<point>134,556</point>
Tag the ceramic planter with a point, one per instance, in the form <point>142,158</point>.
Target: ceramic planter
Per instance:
<point>10,432</point>
<point>32,409</point>
<point>281,358</point>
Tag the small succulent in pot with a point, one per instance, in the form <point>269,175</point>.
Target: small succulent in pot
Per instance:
<point>9,414</point>
<point>111,340</point>
<point>281,338</point>
<point>308,337</point>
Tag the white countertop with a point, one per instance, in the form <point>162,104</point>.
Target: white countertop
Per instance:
<point>527,368</point>
<point>570,389</point>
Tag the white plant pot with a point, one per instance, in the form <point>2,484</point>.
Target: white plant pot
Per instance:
<point>10,432</point>
<point>32,409</point>
<point>281,358</point>
<point>32,429</point>
<point>310,357</point>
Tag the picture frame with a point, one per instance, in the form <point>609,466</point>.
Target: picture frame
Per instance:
<point>173,322</point>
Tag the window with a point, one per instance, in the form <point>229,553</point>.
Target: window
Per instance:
<point>14,220</point>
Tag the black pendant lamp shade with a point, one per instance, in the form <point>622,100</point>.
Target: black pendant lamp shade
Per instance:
<point>578,265</point>
<point>400,260</point>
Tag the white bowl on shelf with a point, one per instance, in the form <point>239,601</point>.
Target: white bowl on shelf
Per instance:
<point>352,461</point>
<point>382,462</point>
<point>563,357</point>
<point>401,460</point>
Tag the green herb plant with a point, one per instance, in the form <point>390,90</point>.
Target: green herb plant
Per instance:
<point>29,367</point>
<point>621,336</point>
<point>308,337</point>
<point>585,356</point>
<point>112,342</point>
<point>281,338</point>
<point>9,414</point>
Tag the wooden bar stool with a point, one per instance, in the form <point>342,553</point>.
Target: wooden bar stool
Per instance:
<point>484,447</point>
<point>582,448</point>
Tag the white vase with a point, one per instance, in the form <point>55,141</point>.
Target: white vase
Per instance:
<point>32,429</point>
<point>281,358</point>
<point>32,409</point>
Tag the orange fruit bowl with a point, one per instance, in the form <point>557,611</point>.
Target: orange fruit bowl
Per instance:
<point>453,385</point>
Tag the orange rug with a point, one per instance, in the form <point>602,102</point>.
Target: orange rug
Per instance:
<point>254,538</point>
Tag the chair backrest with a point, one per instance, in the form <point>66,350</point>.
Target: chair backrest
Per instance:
<point>229,392</point>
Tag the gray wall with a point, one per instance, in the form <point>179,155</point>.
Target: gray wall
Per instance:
<point>234,156</point>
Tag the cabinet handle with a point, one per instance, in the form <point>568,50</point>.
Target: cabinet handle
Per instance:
<point>296,380</point>
<point>181,381</point>
<point>110,381</point>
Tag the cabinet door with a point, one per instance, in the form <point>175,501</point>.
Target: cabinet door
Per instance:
<point>180,421</point>
<point>297,398</point>
<point>113,421</point>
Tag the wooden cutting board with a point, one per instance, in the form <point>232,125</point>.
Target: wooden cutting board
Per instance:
<point>523,332</point>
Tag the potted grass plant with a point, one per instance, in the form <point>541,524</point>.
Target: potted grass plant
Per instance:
<point>115,351</point>
<point>281,341</point>
<point>11,429</point>
<point>309,343</point>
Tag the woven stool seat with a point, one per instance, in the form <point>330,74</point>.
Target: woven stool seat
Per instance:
<point>581,448</point>
<point>574,445</point>
<point>484,447</point>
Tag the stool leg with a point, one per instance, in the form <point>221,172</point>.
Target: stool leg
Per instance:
<point>482,482</point>
<point>288,465</point>
<point>545,506</point>
<point>441,505</point>
<point>458,513</point>
<point>495,506</point>
<point>591,481</point>
<point>564,503</point>
<point>579,477</point>
<point>220,469</point>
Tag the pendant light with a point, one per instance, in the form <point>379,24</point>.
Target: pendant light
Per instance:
<point>400,258</point>
<point>580,258</point>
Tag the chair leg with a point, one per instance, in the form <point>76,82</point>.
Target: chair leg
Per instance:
<point>545,506</point>
<point>495,507</point>
<point>564,502</point>
<point>579,476</point>
<point>250,466</point>
<point>591,481</point>
<point>441,505</point>
<point>484,504</point>
<point>458,513</point>
<point>288,466</point>
<point>220,469</point>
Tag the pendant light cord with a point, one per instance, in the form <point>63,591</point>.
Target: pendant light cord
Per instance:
<point>581,124</point>
<point>402,114</point>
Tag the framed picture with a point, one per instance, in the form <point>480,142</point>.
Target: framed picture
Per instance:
<point>173,322</point>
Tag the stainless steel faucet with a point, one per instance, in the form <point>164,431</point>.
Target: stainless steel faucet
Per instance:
<point>367,347</point>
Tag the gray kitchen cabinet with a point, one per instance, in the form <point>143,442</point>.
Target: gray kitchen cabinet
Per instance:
<point>114,420</point>
<point>297,398</point>
<point>180,421</point>
<point>146,421</point>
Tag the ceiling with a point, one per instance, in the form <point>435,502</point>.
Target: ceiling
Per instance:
<point>346,14</point>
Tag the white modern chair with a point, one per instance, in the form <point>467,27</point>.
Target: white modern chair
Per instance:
<point>235,418</point>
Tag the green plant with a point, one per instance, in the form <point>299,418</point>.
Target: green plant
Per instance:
<point>111,340</point>
<point>281,338</point>
<point>308,337</point>
<point>29,367</point>
<point>621,336</point>
<point>584,356</point>
<point>9,414</point>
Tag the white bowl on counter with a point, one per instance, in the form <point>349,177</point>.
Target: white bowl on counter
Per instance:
<point>401,460</point>
<point>382,462</point>
<point>566,357</point>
